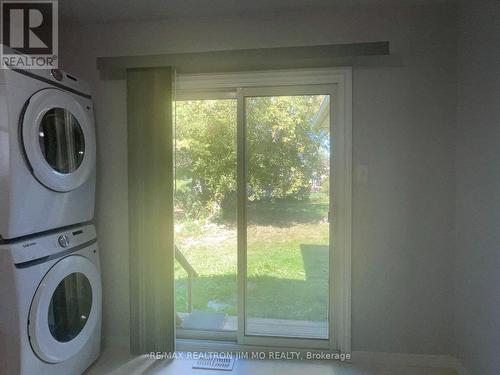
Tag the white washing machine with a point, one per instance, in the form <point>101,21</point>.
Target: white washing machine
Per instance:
<point>47,152</point>
<point>50,299</point>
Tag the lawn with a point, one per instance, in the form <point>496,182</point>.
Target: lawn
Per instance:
<point>287,260</point>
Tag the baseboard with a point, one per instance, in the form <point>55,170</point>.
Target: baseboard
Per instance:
<point>415,360</point>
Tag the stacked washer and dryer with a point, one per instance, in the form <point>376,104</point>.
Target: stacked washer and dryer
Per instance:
<point>50,284</point>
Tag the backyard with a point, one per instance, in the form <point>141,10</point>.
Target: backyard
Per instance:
<point>288,150</point>
<point>287,261</point>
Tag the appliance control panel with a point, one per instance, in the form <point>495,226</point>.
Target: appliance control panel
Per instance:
<point>55,76</point>
<point>49,244</point>
<point>63,240</point>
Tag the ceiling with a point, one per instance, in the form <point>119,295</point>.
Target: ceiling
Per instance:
<point>103,11</point>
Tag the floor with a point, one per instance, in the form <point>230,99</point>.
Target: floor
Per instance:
<point>118,362</point>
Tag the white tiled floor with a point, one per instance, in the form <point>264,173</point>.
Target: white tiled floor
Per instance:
<point>117,362</point>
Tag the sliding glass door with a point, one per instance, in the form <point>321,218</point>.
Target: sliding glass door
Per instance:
<point>288,152</point>
<point>205,217</point>
<point>262,214</point>
<point>284,226</point>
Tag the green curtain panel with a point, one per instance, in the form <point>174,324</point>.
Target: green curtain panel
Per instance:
<point>150,184</point>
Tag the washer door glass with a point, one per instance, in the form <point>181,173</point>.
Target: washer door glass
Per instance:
<point>69,307</point>
<point>66,309</point>
<point>61,140</point>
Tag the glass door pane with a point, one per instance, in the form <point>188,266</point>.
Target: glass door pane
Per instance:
<point>205,217</point>
<point>287,209</point>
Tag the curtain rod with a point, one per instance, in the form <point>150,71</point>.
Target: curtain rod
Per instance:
<point>318,56</point>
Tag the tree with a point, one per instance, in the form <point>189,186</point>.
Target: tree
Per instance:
<point>205,154</point>
<point>285,149</point>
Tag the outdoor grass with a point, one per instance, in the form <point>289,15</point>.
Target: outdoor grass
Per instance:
<point>287,261</point>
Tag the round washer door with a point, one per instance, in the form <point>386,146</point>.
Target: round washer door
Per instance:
<point>65,310</point>
<point>59,139</point>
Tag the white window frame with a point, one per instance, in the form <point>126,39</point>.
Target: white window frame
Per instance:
<point>336,82</point>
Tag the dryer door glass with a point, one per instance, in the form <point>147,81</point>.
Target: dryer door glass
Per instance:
<point>70,307</point>
<point>61,140</point>
<point>65,313</point>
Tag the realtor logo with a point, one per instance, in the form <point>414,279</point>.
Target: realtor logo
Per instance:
<point>29,34</point>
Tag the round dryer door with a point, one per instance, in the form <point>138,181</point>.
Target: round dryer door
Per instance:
<point>65,310</point>
<point>59,139</point>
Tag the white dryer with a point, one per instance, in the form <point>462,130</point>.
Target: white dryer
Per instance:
<point>50,299</point>
<point>47,152</point>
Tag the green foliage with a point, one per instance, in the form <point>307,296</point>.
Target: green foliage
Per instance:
<point>283,146</point>
<point>205,155</point>
<point>325,186</point>
<point>285,150</point>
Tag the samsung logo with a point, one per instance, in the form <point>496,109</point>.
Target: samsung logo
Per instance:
<point>29,244</point>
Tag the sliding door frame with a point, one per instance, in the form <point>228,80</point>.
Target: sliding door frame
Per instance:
<point>336,82</point>
<point>243,156</point>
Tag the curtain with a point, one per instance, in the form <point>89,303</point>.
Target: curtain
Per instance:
<point>150,186</point>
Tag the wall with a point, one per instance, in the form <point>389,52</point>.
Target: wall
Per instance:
<point>403,122</point>
<point>477,277</point>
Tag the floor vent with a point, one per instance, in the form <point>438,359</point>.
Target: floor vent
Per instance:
<point>210,363</point>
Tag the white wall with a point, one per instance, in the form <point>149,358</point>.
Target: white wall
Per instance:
<point>477,278</point>
<point>403,122</point>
